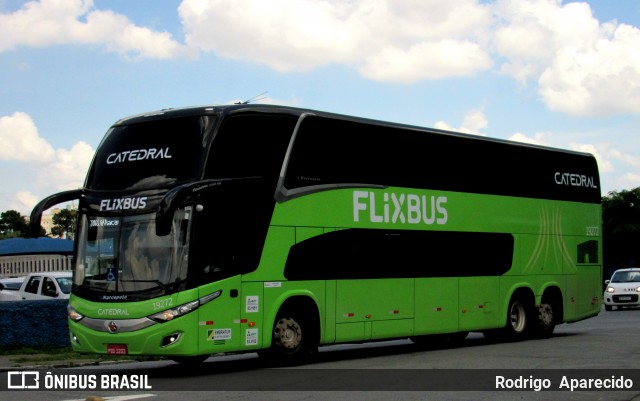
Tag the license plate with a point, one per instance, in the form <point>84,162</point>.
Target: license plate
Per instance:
<point>625,298</point>
<point>117,349</point>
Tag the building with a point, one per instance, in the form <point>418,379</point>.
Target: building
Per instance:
<point>21,256</point>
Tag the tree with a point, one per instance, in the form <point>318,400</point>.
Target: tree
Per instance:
<point>64,222</point>
<point>621,229</point>
<point>12,225</point>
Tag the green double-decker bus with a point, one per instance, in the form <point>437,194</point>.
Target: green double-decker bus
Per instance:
<point>245,228</point>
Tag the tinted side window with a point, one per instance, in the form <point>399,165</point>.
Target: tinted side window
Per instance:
<point>250,146</point>
<point>32,285</point>
<point>230,231</point>
<point>332,151</point>
<point>48,287</point>
<point>367,254</point>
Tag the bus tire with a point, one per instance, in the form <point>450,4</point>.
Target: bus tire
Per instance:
<point>294,337</point>
<point>519,318</point>
<point>549,314</point>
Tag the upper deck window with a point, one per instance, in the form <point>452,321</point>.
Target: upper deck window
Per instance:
<point>250,146</point>
<point>153,154</point>
<point>331,152</point>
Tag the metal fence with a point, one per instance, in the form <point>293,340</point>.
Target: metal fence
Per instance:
<point>21,265</point>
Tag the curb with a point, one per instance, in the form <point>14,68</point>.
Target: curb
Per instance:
<point>61,365</point>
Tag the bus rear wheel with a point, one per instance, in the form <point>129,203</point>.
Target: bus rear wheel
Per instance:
<point>518,321</point>
<point>546,320</point>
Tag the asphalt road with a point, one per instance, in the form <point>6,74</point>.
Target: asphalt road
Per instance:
<point>604,347</point>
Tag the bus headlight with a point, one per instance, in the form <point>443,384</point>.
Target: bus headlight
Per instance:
<point>178,311</point>
<point>172,313</point>
<point>73,314</point>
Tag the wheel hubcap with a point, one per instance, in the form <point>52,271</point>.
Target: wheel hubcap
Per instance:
<point>546,315</point>
<point>288,333</point>
<point>517,317</point>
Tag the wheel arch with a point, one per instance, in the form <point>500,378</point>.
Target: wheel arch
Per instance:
<point>299,301</point>
<point>522,291</point>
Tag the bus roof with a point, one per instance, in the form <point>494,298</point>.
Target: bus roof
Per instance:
<point>233,109</point>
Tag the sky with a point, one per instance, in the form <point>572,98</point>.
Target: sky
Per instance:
<point>564,74</point>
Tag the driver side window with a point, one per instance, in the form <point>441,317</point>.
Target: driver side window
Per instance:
<point>49,288</point>
<point>32,285</point>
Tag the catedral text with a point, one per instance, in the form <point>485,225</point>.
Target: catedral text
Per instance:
<point>574,180</point>
<point>138,154</point>
<point>400,208</point>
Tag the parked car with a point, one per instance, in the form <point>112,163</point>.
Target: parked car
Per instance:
<point>623,289</point>
<point>11,283</point>
<point>40,286</point>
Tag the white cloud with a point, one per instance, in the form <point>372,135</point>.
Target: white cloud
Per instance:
<point>20,140</point>
<point>629,180</point>
<point>54,22</point>
<point>601,153</point>
<point>538,138</point>
<point>54,170</point>
<point>625,158</point>
<point>69,167</point>
<point>473,122</point>
<point>610,159</point>
<point>385,40</point>
<point>23,202</point>
<point>427,60</point>
<point>582,66</point>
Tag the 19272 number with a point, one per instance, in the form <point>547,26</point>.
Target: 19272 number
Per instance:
<point>593,231</point>
<point>163,304</point>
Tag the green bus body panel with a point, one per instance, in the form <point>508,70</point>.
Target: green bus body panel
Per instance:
<point>548,239</point>
<point>197,329</point>
<point>555,244</point>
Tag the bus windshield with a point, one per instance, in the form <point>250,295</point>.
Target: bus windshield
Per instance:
<point>124,256</point>
<point>150,155</point>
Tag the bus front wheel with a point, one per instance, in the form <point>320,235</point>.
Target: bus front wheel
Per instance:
<point>293,339</point>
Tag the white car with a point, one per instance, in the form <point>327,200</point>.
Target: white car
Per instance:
<point>9,288</point>
<point>11,283</point>
<point>623,289</point>
<point>40,286</point>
